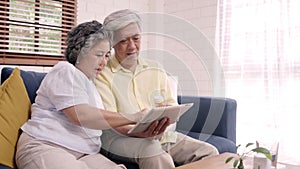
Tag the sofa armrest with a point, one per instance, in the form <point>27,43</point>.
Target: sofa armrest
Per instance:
<point>210,116</point>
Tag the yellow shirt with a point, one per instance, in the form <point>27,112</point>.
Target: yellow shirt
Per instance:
<point>130,92</point>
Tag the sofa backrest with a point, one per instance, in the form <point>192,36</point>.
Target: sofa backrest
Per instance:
<point>31,79</point>
<point>211,110</point>
<point>209,115</point>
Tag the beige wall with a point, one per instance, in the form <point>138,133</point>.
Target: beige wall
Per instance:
<point>191,64</point>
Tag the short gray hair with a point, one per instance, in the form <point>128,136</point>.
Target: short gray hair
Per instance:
<point>120,19</point>
<point>82,37</point>
<point>94,39</point>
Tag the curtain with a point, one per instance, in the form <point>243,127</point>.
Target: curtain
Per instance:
<point>258,42</point>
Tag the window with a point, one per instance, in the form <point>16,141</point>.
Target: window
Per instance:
<point>258,45</point>
<point>33,32</point>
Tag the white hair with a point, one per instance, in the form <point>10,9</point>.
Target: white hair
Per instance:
<point>120,19</point>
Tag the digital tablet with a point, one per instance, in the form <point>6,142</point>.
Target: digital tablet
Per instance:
<point>172,112</point>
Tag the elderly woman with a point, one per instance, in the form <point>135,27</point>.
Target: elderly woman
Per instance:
<point>67,116</point>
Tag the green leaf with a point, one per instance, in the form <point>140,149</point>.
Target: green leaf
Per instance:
<point>249,144</point>
<point>236,162</point>
<point>269,156</point>
<point>264,151</point>
<point>228,160</point>
<point>261,150</point>
<point>238,146</point>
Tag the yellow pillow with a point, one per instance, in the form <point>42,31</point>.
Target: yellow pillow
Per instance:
<point>14,112</point>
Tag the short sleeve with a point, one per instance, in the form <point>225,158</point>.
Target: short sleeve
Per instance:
<point>65,86</point>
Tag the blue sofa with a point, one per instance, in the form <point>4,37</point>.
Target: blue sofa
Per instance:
<point>211,119</point>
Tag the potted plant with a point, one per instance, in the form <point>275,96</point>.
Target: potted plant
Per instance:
<point>239,159</point>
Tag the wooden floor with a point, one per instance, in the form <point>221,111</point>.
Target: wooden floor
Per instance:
<point>290,166</point>
<point>218,162</point>
<point>215,162</point>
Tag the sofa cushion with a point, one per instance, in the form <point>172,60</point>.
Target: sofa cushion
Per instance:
<point>14,112</point>
<point>4,167</point>
<point>222,144</point>
<point>32,80</point>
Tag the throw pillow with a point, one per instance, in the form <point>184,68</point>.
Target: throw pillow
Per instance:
<point>14,112</point>
<point>31,79</point>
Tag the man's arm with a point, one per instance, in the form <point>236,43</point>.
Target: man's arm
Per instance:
<point>104,88</point>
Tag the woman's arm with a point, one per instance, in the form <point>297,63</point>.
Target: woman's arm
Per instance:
<point>94,118</point>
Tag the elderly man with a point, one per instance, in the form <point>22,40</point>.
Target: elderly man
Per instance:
<point>131,83</point>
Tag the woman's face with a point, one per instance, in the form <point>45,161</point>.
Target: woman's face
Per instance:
<point>95,60</point>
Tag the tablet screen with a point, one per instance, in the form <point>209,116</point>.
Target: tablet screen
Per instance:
<point>172,112</point>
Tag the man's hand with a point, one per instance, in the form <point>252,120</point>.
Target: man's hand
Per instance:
<point>154,130</point>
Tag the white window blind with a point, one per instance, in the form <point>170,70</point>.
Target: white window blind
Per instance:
<point>33,32</point>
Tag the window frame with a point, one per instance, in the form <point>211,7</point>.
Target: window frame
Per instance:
<point>69,20</point>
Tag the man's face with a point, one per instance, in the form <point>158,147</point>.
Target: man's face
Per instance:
<point>127,44</point>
